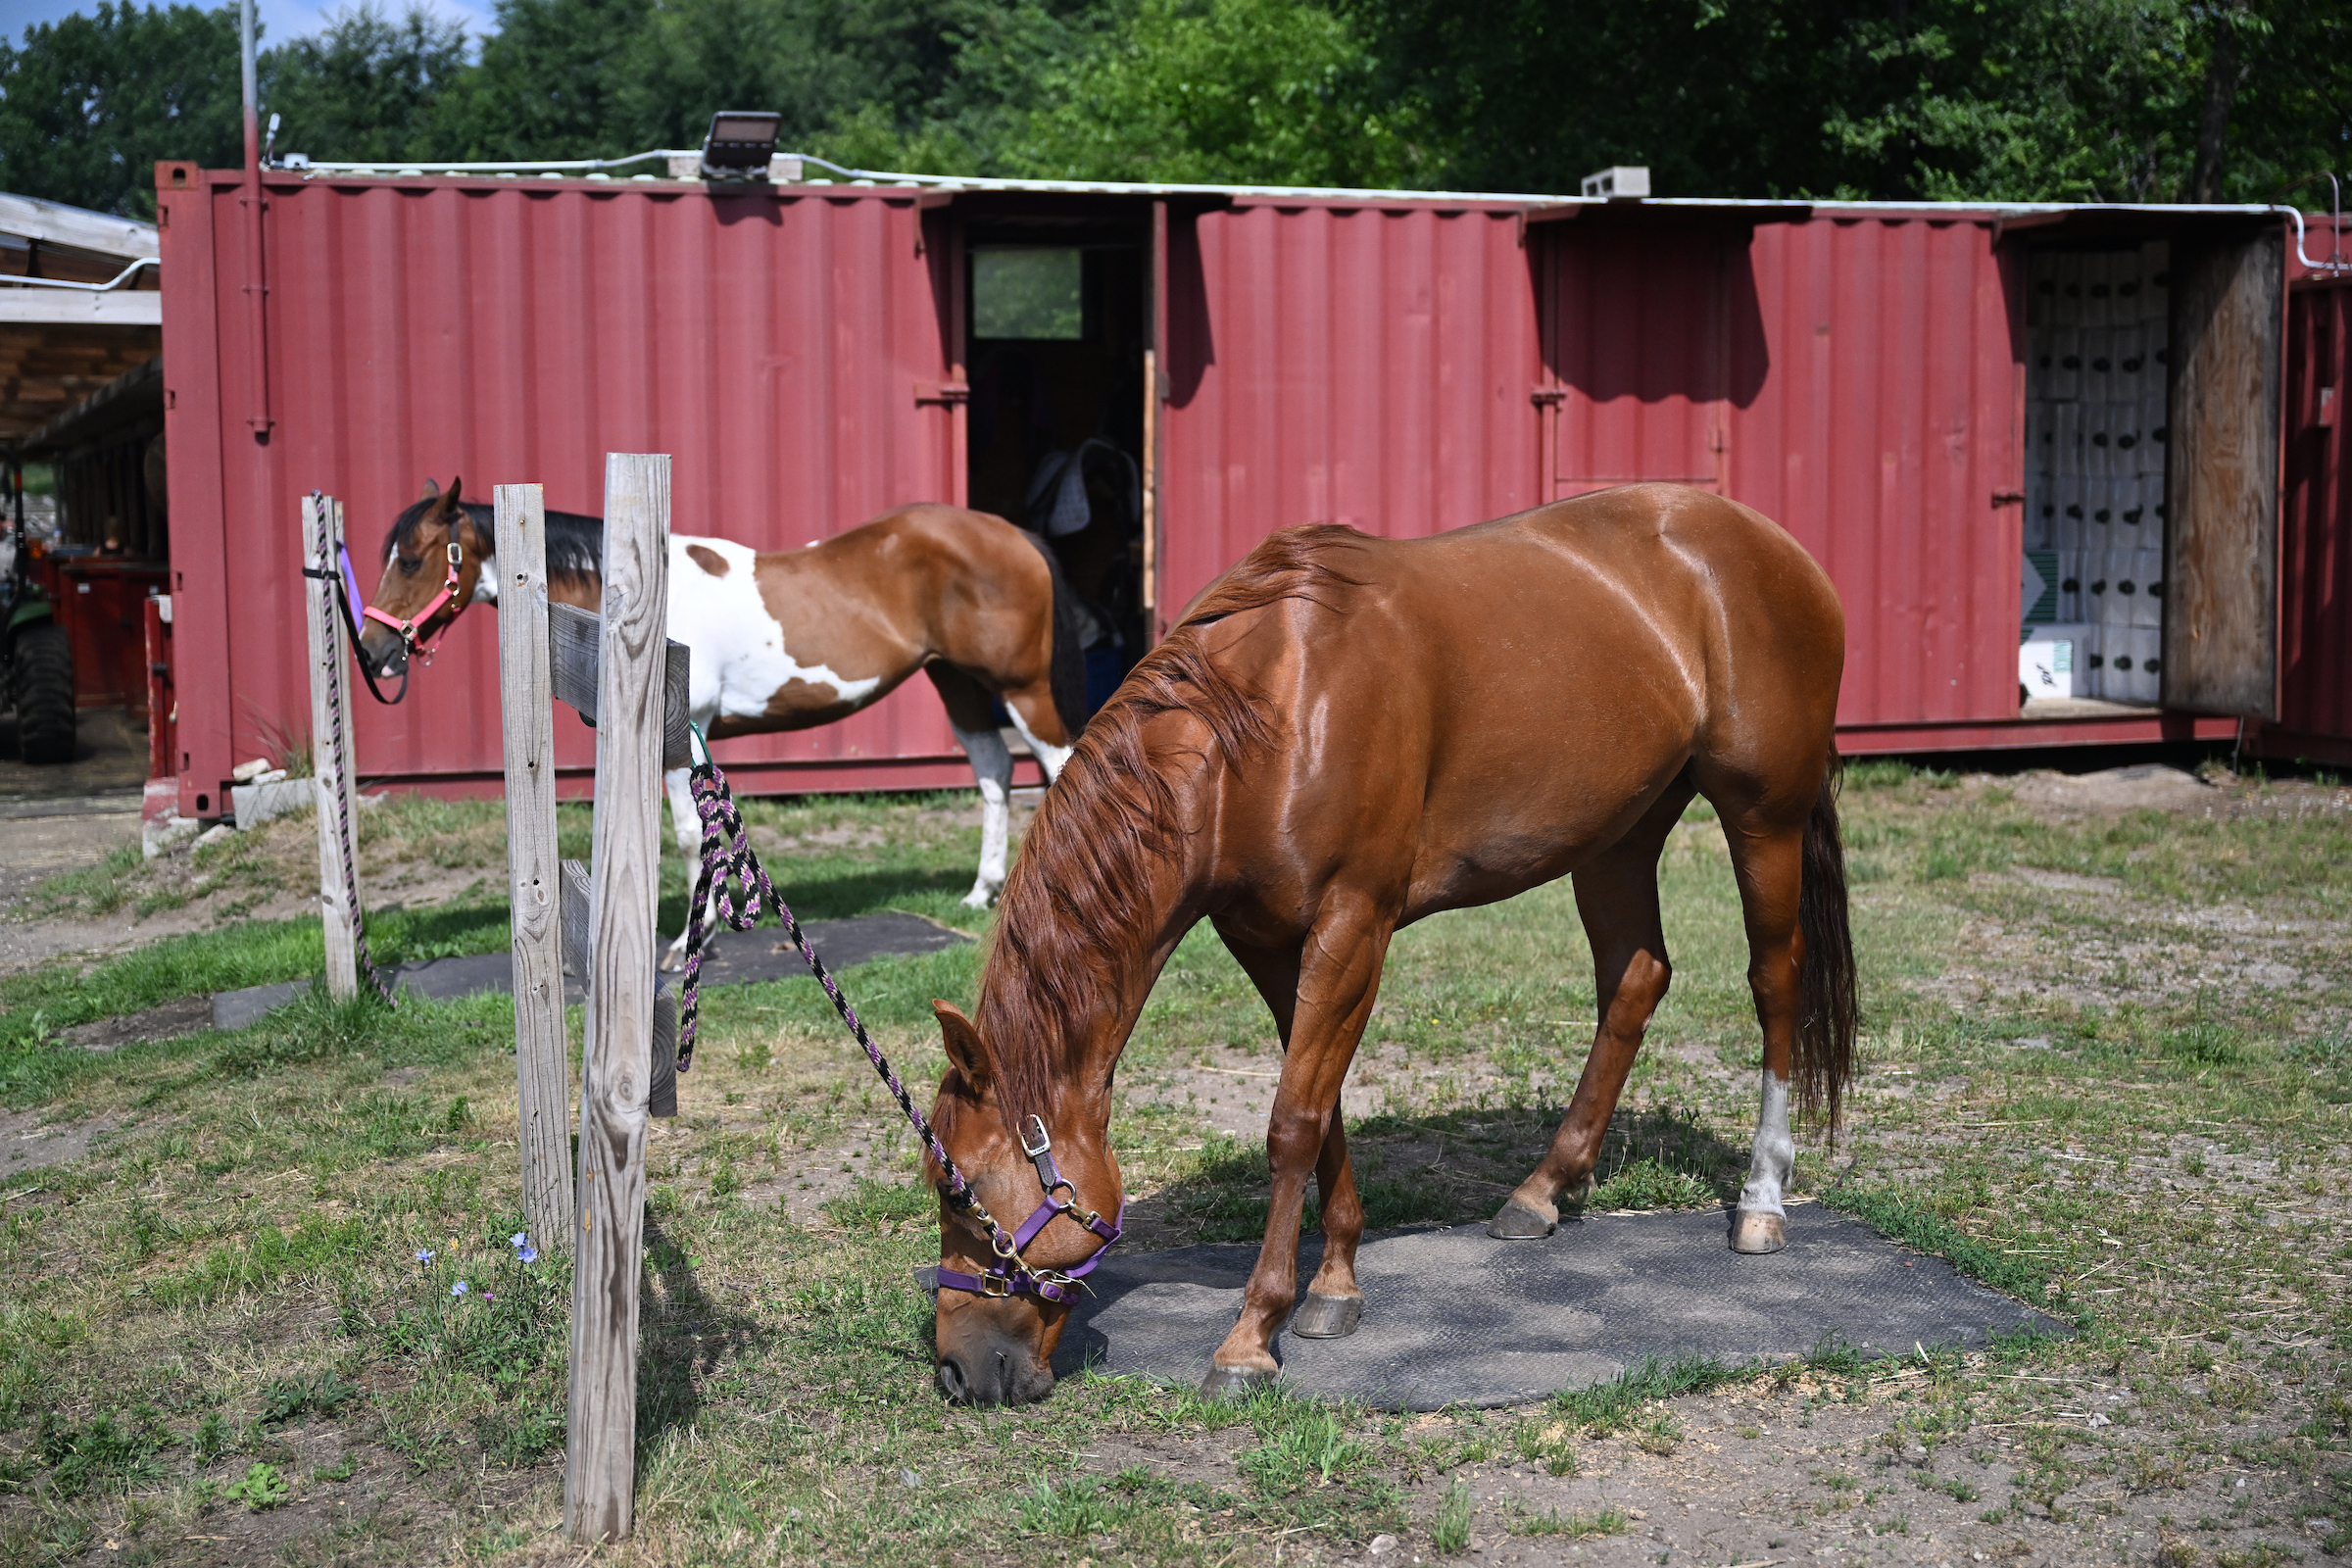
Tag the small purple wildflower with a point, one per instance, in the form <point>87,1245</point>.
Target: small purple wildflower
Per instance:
<point>458,1288</point>
<point>527,1255</point>
<point>424,1255</point>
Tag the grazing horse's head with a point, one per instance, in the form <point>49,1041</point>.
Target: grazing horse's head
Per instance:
<point>996,1334</point>
<point>426,582</point>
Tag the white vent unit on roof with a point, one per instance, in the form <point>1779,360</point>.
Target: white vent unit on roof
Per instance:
<point>1619,179</point>
<point>740,144</point>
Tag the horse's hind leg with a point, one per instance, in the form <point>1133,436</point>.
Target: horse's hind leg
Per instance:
<point>1617,898</point>
<point>1768,856</point>
<point>970,717</point>
<point>687,824</point>
<point>1034,716</point>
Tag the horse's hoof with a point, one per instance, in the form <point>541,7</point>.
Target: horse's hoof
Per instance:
<point>1756,1230</point>
<point>1327,1317</point>
<point>1519,1223</point>
<point>671,963</point>
<point>1235,1382</point>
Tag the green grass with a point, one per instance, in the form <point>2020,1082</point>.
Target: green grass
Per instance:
<point>227,1280</point>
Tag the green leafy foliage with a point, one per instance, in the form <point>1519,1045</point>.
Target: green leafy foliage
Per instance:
<point>262,1488</point>
<point>1266,91</point>
<point>1944,99</point>
<point>88,103</point>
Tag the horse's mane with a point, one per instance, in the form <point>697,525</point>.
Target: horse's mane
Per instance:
<point>1076,911</point>
<point>575,542</point>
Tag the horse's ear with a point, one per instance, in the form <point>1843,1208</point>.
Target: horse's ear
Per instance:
<point>432,491</point>
<point>965,1049</point>
<point>455,485</point>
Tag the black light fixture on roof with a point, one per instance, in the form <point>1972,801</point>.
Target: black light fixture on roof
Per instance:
<point>740,144</point>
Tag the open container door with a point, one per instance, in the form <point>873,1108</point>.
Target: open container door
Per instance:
<point>2221,623</point>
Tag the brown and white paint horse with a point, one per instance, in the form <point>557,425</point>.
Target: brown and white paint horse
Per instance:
<point>1345,735</point>
<point>790,639</point>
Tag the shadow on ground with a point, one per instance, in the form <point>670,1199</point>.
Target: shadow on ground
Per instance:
<point>1456,1167</point>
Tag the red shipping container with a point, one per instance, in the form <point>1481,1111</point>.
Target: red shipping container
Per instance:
<point>1397,361</point>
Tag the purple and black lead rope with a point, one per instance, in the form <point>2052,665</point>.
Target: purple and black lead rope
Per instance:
<point>725,863</point>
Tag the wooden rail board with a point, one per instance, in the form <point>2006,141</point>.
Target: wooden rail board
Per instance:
<point>572,652</point>
<point>330,715</point>
<point>579,932</point>
<point>600,1459</point>
<point>580,961</point>
<point>542,1059</point>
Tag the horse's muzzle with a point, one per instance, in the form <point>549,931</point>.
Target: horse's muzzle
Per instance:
<point>995,1369</point>
<point>385,657</point>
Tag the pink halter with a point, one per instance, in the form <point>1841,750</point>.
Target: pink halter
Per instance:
<point>408,629</point>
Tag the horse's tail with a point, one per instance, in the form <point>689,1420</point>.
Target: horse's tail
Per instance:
<point>1829,1016</point>
<point>1067,670</point>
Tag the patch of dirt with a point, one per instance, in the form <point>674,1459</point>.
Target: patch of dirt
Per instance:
<point>379,1513</point>
<point>186,1016</point>
<point>25,1144</point>
<point>1752,1476</point>
<point>2157,787</point>
<point>2113,791</point>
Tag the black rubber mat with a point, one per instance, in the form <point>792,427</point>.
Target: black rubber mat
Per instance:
<point>1454,1317</point>
<point>734,957</point>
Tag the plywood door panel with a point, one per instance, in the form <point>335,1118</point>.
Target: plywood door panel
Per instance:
<point>2221,633</point>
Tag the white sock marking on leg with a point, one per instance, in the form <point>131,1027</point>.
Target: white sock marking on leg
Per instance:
<point>1775,1154</point>
<point>1048,757</point>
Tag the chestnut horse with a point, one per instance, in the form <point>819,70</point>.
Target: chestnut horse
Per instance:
<point>1343,736</point>
<point>792,639</point>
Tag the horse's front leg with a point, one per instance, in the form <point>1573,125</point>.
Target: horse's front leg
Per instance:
<point>1339,976</point>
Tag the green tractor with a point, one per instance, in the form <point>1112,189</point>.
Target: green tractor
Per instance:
<point>36,657</point>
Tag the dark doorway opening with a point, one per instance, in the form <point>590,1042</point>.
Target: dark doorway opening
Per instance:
<point>1059,315</point>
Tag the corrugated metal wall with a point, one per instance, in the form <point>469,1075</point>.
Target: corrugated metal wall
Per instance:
<point>2315,548</point>
<point>1637,349</point>
<point>515,332</point>
<point>1369,366</point>
<point>1403,367</point>
<point>1882,419</point>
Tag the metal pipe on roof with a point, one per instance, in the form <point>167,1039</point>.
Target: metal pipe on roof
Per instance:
<point>115,282</point>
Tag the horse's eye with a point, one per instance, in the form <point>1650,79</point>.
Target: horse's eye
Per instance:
<point>409,567</point>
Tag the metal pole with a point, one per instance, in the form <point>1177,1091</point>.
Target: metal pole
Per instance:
<point>252,95</point>
<point>257,291</point>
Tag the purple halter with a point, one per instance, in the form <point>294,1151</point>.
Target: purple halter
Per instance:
<point>727,860</point>
<point>1012,1277</point>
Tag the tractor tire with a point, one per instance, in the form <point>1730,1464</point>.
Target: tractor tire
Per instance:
<point>44,671</point>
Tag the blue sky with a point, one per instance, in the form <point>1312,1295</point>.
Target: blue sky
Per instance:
<point>280,18</point>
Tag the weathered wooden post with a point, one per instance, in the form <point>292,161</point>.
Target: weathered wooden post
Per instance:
<point>543,1080</point>
<point>601,1461</point>
<point>330,760</point>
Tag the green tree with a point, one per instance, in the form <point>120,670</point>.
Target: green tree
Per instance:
<point>550,83</point>
<point>2073,100</point>
<point>1244,91</point>
<point>366,88</point>
<point>90,103</point>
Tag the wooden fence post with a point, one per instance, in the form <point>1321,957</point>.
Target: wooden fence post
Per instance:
<point>600,1466</point>
<point>542,1066</point>
<point>330,742</point>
